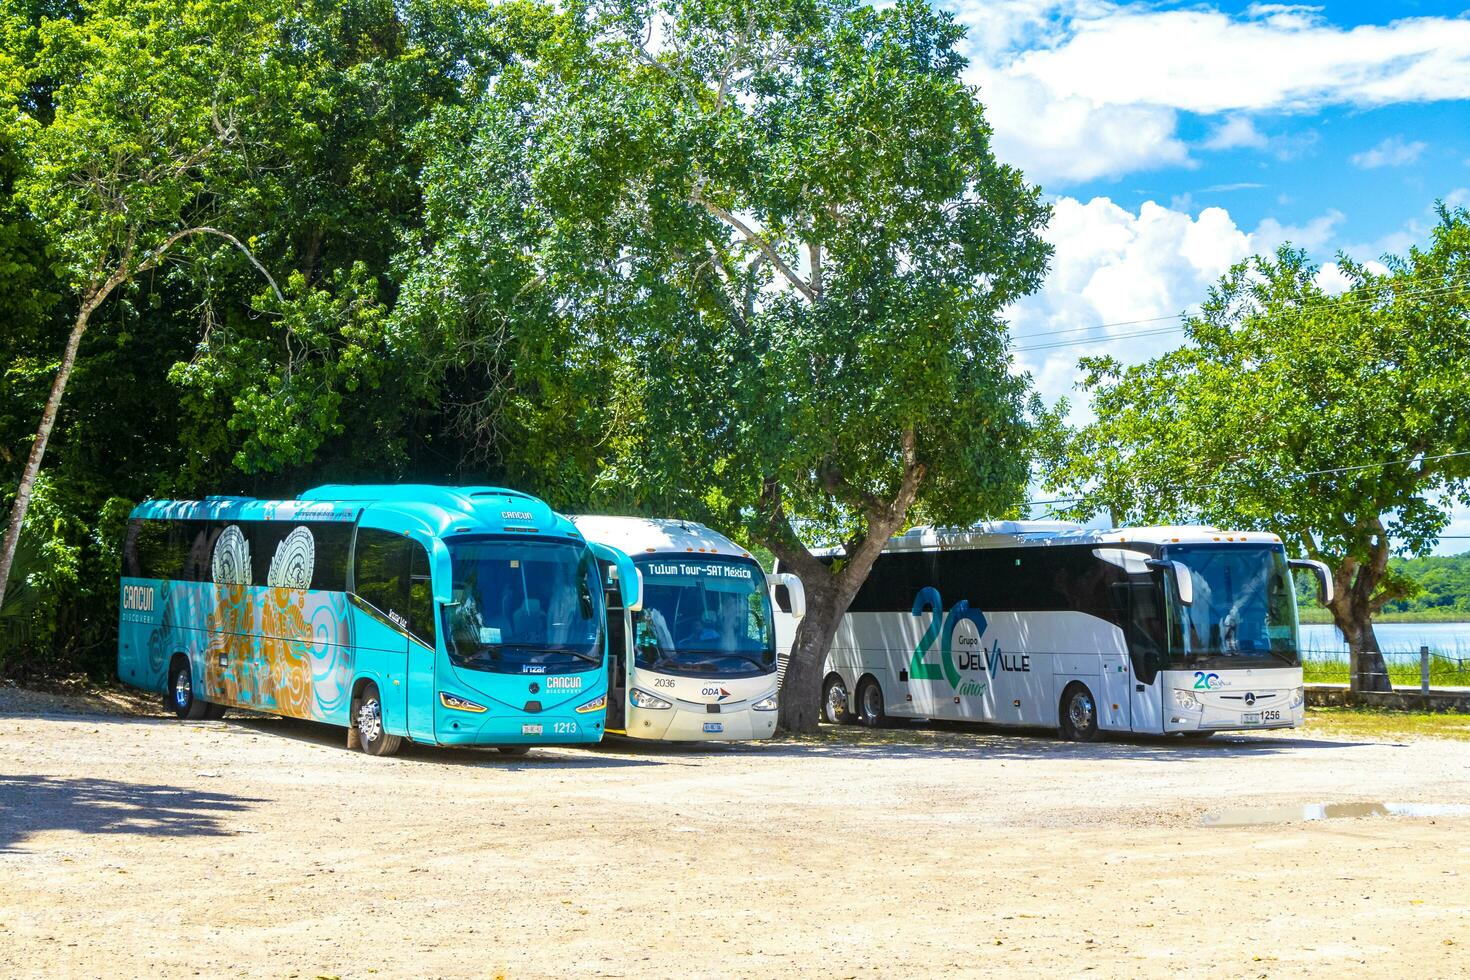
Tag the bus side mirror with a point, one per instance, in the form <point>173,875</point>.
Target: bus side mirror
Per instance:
<point>1325,590</point>
<point>795,592</point>
<point>1183,583</point>
<point>630,581</point>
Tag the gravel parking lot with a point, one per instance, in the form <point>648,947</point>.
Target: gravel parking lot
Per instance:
<point>134,845</point>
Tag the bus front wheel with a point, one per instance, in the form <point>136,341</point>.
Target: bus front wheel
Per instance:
<point>1079,714</point>
<point>835,710</point>
<point>371,735</point>
<point>870,704</point>
<point>181,692</point>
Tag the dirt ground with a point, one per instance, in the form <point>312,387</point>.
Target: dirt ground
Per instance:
<point>259,847</point>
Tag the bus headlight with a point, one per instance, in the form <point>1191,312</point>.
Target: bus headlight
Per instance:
<point>1187,700</point>
<point>1298,697</point>
<point>596,704</point>
<point>767,703</point>
<point>642,699</point>
<point>460,704</point>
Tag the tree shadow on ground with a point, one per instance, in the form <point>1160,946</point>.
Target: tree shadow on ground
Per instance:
<point>34,804</point>
<point>335,737</point>
<point>942,739</point>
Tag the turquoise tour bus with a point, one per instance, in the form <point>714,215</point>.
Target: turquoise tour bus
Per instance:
<point>444,615</point>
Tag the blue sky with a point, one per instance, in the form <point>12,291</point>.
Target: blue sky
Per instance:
<point>1175,139</point>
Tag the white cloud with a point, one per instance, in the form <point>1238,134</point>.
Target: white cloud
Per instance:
<point>1392,152</point>
<point>1236,131</point>
<point>1119,280</point>
<point>1207,61</point>
<point>1081,89</point>
<point>1314,236</point>
<point>1070,138</point>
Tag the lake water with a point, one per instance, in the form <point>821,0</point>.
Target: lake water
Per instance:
<point>1397,640</point>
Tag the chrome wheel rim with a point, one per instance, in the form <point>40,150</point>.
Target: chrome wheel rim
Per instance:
<point>370,720</point>
<point>183,688</point>
<point>836,702</point>
<point>1080,711</point>
<point>872,702</point>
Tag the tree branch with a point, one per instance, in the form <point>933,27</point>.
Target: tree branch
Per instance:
<point>157,254</point>
<point>755,239</point>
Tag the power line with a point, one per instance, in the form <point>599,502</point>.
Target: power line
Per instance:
<point>1330,471</point>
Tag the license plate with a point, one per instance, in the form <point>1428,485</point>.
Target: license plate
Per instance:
<point>714,726</point>
<point>530,729</point>
<point>1251,718</point>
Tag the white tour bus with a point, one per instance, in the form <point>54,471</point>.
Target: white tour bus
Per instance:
<point>1188,630</point>
<point>698,661</point>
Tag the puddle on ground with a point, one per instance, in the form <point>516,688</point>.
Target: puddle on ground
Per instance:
<point>1258,815</point>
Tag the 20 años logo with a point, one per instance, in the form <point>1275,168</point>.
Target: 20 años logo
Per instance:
<point>961,650</point>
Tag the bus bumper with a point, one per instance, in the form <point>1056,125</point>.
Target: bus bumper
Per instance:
<point>1231,720</point>
<point>561,728</point>
<point>686,725</point>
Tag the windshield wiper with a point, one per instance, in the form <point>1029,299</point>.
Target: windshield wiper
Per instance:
<point>716,653</point>
<point>592,658</point>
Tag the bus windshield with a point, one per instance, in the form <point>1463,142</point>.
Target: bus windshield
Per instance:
<point>707,617</point>
<point>524,607</point>
<point>1244,609</point>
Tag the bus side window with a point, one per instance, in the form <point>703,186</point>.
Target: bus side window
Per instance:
<point>333,544</point>
<point>421,595</point>
<point>146,553</point>
<point>382,573</point>
<point>196,541</point>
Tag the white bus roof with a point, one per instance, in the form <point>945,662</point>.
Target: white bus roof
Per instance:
<point>1011,534</point>
<point>636,536</point>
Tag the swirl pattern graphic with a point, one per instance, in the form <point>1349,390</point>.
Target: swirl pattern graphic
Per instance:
<point>231,564</point>
<point>294,560</point>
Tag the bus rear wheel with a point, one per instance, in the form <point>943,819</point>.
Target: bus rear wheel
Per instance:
<point>1079,714</point>
<point>181,692</point>
<point>870,704</point>
<point>835,710</point>
<point>371,735</point>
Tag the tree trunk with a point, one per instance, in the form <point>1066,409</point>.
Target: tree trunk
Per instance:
<point>801,689</point>
<point>1367,670</point>
<point>90,301</point>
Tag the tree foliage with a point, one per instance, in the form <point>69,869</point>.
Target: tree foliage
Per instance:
<point>1336,421</point>
<point>772,244</point>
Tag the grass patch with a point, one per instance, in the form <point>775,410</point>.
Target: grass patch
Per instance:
<point>1382,724</point>
<point>1443,672</point>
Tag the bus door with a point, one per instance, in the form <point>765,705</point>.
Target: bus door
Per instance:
<point>392,595</point>
<point>1143,634</point>
<point>619,631</point>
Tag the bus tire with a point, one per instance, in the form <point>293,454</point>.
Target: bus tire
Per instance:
<point>512,749</point>
<point>836,708</point>
<point>371,736</point>
<point>181,691</point>
<point>1078,714</point>
<point>213,711</point>
<point>870,704</point>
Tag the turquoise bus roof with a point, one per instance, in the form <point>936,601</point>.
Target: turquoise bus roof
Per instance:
<point>438,510</point>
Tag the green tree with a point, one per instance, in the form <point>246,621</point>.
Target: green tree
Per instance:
<point>773,244</point>
<point>143,109</point>
<point>1333,421</point>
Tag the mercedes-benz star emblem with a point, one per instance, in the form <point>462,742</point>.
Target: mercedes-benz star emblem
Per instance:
<point>1250,697</point>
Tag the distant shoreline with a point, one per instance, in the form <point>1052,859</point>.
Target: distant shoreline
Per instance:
<point>1317,615</point>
